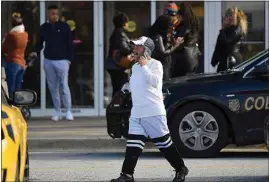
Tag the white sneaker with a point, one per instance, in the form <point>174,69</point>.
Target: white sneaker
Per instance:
<point>57,116</point>
<point>69,116</point>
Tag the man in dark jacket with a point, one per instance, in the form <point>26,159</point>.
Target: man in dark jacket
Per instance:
<point>58,54</point>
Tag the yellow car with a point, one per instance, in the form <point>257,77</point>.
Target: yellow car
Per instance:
<point>15,160</point>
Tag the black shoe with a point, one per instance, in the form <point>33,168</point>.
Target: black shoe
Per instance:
<point>180,175</point>
<point>123,178</point>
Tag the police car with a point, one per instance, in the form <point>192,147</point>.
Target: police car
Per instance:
<point>206,112</point>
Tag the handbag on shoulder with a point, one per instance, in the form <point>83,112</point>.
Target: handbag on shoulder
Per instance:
<point>122,61</point>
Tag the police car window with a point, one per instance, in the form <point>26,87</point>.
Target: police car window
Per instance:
<point>250,61</point>
<point>265,62</point>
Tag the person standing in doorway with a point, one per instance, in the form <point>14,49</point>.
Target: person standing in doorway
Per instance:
<point>14,46</point>
<point>58,55</point>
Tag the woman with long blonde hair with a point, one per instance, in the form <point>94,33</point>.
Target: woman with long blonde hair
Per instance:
<point>234,29</point>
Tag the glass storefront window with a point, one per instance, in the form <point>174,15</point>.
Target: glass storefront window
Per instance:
<point>139,13</point>
<point>255,40</point>
<point>198,8</point>
<point>30,12</point>
<point>79,15</point>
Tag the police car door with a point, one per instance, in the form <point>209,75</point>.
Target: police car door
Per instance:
<point>253,93</point>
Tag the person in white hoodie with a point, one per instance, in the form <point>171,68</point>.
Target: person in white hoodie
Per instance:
<point>148,114</point>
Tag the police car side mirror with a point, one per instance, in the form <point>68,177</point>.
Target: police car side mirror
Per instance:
<point>231,62</point>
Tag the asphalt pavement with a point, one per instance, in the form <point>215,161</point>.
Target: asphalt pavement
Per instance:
<point>102,166</point>
<point>81,150</point>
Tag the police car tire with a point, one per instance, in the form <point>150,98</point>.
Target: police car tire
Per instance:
<point>221,121</point>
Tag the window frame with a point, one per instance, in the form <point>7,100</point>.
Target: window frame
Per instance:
<point>248,73</point>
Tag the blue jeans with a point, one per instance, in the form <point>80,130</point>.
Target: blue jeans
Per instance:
<point>57,80</point>
<point>14,75</point>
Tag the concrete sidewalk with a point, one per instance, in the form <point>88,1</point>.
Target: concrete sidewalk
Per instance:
<point>85,133</point>
<point>79,134</point>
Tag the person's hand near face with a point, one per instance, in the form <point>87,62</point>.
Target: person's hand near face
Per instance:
<point>179,41</point>
<point>139,55</point>
<point>143,61</point>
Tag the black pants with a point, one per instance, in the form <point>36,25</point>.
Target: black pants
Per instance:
<point>135,146</point>
<point>118,79</point>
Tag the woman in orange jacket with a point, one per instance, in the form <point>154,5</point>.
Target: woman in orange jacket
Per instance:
<point>14,46</point>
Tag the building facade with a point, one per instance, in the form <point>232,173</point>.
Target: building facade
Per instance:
<point>89,82</point>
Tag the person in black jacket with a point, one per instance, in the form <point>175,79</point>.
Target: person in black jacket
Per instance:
<point>186,57</point>
<point>229,38</point>
<point>118,41</point>
<point>163,50</point>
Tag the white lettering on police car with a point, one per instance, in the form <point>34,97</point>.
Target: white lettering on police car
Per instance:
<point>259,103</point>
<point>247,107</point>
<point>267,104</point>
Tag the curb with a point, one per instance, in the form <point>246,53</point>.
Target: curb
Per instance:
<point>75,144</point>
<point>71,144</point>
<point>111,144</point>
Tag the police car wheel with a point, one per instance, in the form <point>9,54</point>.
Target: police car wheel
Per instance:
<point>199,130</point>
